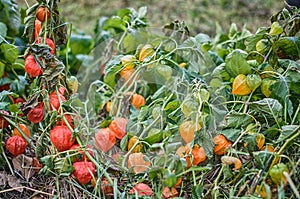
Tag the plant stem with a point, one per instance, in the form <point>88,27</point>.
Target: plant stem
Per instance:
<point>218,178</point>
<point>284,146</point>
<point>9,166</point>
<point>296,114</point>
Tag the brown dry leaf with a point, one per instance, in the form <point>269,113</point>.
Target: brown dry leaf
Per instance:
<point>3,178</point>
<point>14,182</point>
<point>23,164</point>
<point>138,162</point>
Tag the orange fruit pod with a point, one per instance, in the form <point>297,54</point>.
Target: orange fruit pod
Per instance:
<point>42,12</point>
<point>128,61</point>
<point>24,129</point>
<point>240,86</point>
<point>61,137</point>
<point>36,114</point>
<point>105,139</point>
<point>142,189</point>
<point>221,143</point>
<point>83,171</point>
<point>146,51</point>
<point>31,67</point>
<point>138,163</point>
<point>187,130</point>
<point>16,145</point>
<point>126,74</point>
<point>169,192</point>
<point>137,101</point>
<point>37,28</point>
<point>198,155</point>
<point>118,126</point>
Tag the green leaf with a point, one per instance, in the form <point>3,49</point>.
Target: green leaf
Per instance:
<point>197,191</point>
<point>124,12</point>
<point>8,52</point>
<point>267,106</point>
<point>253,81</point>
<point>165,71</point>
<point>124,142</point>
<point>155,172</point>
<point>288,47</point>
<point>81,44</point>
<point>154,136</point>
<point>280,91</point>
<point>2,70</point>
<point>143,113</point>
<point>292,76</point>
<point>204,40</point>
<point>3,31</point>
<point>231,134</point>
<point>206,141</point>
<point>114,23</point>
<point>48,161</point>
<point>18,86</point>
<point>287,131</point>
<point>294,79</point>
<point>13,108</point>
<point>10,15</point>
<point>158,74</point>
<point>173,105</point>
<point>237,120</point>
<point>236,63</point>
<point>233,30</point>
<point>63,166</point>
<point>251,41</point>
<point>134,39</point>
<point>105,123</point>
<point>250,139</point>
<point>6,93</point>
<point>111,70</point>
<point>170,180</point>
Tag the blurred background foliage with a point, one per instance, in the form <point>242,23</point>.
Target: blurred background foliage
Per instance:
<point>198,15</point>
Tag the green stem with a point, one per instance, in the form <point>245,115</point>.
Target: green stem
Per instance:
<point>57,186</point>
<point>296,114</point>
<point>218,178</point>
<point>238,139</point>
<point>247,102</point>
<point>9,166</point>
<point>284,146</point>
<point>194,178</point>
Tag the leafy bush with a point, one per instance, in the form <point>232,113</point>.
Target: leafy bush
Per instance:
<point>156,113</point>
